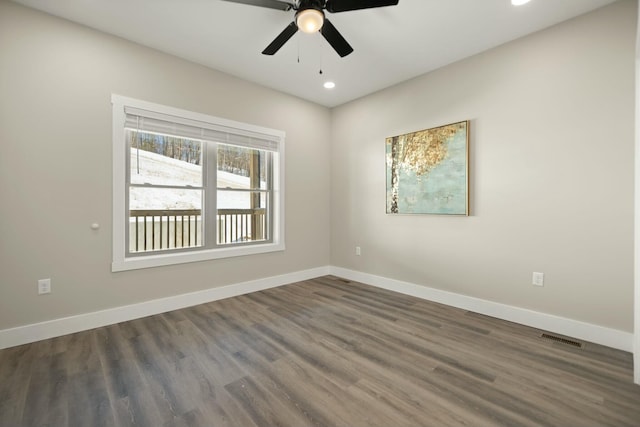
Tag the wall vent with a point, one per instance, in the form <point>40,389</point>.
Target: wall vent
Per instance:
<point>562,340</point>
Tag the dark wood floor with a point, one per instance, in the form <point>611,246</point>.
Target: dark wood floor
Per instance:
<point>323,352</point>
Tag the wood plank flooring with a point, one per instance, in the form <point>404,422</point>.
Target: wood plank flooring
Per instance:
<point>324,352</point>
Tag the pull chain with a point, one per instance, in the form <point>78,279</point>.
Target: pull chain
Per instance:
<point>320,50</point>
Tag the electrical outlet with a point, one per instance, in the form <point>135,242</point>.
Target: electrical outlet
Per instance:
<point>538,279</point>
<point>44,286</point>
<point>358,251</point>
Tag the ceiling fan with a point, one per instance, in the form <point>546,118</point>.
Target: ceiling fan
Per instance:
<point>309,18</point>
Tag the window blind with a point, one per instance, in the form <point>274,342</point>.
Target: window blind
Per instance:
<point>150,121</point>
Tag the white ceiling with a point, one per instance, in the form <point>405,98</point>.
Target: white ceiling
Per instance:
<point>391,44</point>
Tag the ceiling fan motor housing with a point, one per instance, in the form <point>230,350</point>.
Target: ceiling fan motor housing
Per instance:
<point>310,4</point>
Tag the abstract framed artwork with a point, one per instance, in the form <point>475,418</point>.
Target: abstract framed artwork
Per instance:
<point>428,171</point>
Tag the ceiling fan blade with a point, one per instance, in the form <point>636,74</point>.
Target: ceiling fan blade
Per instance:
<point>282,38</point>
<point>271,4</point>
<point>335,39</point>
<point>334,6</point>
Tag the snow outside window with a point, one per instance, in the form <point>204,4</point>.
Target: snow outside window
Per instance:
<point>191,187</point>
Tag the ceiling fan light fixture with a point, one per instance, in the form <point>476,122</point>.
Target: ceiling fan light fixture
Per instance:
<point>309,20</point>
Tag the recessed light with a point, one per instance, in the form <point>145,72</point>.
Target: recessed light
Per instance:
<point>329,85</point>
<point>519,2</point>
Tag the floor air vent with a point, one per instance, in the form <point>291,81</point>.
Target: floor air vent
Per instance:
<point>562,340</point>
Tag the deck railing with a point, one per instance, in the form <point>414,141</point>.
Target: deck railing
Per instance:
<point>156,229</point>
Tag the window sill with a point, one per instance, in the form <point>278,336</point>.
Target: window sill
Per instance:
<point>159,260</point>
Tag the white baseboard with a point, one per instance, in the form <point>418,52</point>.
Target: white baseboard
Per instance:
<point>82,322</point>
<point>573,328</point>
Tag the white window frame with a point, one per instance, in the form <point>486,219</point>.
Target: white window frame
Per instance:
<point>121,261</point>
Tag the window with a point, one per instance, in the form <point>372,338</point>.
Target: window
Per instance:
<point>191,187</point>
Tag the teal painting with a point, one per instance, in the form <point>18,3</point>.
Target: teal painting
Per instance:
<point>428,171</point>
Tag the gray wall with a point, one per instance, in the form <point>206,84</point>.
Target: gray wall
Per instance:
<point>56,81</point>
<point>552,173</point>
